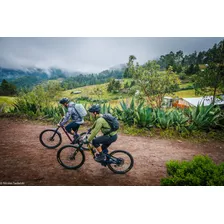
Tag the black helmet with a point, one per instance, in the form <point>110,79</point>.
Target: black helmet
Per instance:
<point>64,100</point>
<point>94,108</point>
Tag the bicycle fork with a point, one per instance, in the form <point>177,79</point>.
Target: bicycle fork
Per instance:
<point>56,131</point>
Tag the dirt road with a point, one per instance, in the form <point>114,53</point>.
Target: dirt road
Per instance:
<point>24,161</point>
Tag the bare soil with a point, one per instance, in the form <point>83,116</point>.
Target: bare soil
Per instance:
<point>24,161</point>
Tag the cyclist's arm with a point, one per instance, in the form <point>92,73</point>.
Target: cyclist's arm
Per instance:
<point>66,118</point>
<point>95,130</point>
<point>93,126</point>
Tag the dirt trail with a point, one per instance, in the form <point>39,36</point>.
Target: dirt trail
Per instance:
<point>24,161</point>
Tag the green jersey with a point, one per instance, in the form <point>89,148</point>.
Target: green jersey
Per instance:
<point>100,124</point>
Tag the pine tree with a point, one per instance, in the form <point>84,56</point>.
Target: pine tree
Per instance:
<point>7,89</point>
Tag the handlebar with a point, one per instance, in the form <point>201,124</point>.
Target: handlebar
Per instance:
<point>61,121</point>
<point>85,136</point>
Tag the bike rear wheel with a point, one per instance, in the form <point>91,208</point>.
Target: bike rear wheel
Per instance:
<point>120,161</point>
<point>50,138</point>
<point>70,157</point>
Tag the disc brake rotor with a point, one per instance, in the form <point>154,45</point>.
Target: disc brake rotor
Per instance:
<point>72,157</point>
<point>51,139</point>
<point>120,162</point>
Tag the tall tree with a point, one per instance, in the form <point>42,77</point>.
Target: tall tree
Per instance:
<point>114,86</point>
<point>211,79</point>
<point>155,84</point>
<point>129,71</point>
<point>7,89</point>
<point>201,57</point>
<point>179,57</point>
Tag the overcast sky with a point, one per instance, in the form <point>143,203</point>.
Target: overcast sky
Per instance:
<point>91,54</point>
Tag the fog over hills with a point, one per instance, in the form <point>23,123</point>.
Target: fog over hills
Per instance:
<point>30,61</point>
<point>12,74</point>
<point>92,55</point>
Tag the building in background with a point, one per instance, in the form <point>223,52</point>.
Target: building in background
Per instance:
<point>192,102</point>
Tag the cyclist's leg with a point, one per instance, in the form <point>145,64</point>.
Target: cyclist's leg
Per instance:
<point>72,127</point>
<point>104,140</point>
<point>100,140</point>
<point>75,128</point>
<point>105,146</point>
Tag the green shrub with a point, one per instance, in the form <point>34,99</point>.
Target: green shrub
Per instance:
<point>38,104</point>
<point>2,108</point>
<point>135,131</point>
<point>86,98</point>
<point>189,87</point>
<point>201,171</point>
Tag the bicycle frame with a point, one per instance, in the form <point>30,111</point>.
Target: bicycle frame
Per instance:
<point>63,128</point>
<point>109,160</point>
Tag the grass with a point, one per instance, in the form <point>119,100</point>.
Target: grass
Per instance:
<point>7,99</point>
<point>113,98</point>
<point>184,85</point>
<point>185,94</point>
<point>135,131</point>
<point>91,91</point>
<point>191,93</point>
<point>6,103</point>
<point>195,136</point>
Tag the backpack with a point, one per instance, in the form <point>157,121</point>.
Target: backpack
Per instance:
<point>112,121</point>
<point>80,109</point>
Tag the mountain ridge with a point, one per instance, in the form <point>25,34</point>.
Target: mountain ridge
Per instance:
<point>28,77</point>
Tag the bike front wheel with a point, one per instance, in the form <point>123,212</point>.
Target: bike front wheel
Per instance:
<point>50,138</point>
<point>70,157</point>
<point>120,161</point>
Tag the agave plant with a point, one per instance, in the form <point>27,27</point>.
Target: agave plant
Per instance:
<point>106,109</point>
<point>179,120</point>
<point>163,119</point>
<point>144,117</point>
<point>53,113</point>
<point>204,117</point>
<point>126,113</point>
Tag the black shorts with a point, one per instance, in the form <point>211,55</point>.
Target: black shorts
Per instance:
<point>105,140</point>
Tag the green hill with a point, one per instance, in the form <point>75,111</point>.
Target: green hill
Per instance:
<point>99,93</point>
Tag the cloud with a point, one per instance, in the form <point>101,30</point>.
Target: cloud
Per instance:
<point>91,54</point>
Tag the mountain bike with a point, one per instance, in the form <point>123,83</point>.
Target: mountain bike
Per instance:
<point>73,157</point>
<point>52,138</point>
